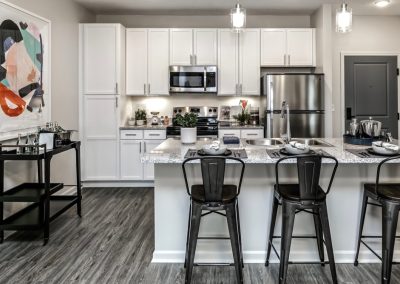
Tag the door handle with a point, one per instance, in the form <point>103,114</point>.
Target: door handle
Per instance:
<point>348,113</point>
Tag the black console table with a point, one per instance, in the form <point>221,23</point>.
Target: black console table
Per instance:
<point>46,206</point>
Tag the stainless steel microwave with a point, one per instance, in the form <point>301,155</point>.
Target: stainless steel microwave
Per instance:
<point>193,79</point>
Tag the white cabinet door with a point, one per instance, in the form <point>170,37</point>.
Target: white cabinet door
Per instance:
<point>158,62</point>
<point>181,46</point>
<point>136,61</point>
<point>131,165</point>
<point>205,46</point>
<point>300,47</point>
<point>100,74</point>
<point>228,56</point>
<point>273,47</point>
<point>100,138</point>
<point>148,169</point>
<point>249,71</point>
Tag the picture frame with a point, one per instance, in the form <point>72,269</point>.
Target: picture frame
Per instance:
<point>25,71</point>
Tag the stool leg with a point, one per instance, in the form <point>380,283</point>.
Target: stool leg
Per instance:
<point>272,229</point>
<point>328,240</point>
<point>320,238</point>
<point>188,234</point>
<point>390,214</point>
<point>234,236</point>
<point>239,232</point>
<point>194,233</point>
<point>361,227</point>
<point>288,215</point>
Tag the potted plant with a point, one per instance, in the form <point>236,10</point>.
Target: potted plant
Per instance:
<point>188,124</point>
<point>244,117</point>
<point>140,117</point>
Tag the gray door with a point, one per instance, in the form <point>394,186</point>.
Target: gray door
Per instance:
<point>371,90</point>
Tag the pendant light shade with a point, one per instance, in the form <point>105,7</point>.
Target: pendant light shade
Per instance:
<point>344,19</point>
<point>238,18</point>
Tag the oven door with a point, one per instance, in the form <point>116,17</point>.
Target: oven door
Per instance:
<point>187,79</point>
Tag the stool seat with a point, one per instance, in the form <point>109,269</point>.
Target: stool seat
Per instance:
<point>291,192</point>
<point>229,193</point>
<point>390,191</point>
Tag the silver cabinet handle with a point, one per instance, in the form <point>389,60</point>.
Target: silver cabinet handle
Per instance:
<point>252,134</point>
<point>237,89</point>
<point>130,134</point>
<point>284,60</point>
<point>241,89</point>
<point>191,59</point>
<point>148,89</point>
<point>116,88</point>
<point>116,102</point>
<point>145,150</point>
<point>144,89</point>
<point>289,59</point>
<point>152,134</point>
<point>229,134</point>
<point>195,59</point>
<point>140,149</point>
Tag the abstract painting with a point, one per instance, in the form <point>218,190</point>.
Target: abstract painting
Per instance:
<point>24,71</point>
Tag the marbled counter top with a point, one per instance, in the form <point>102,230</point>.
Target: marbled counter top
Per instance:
<point>172,151</point>
<point>237,126</point>
<point>144,127</point>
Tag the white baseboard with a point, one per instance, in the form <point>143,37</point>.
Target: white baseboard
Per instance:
<point>259,256</point>
<point>118,184</point>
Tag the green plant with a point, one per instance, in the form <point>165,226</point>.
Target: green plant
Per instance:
<point>140,114</point>
<point>189,120</point>
<point>243,117</point>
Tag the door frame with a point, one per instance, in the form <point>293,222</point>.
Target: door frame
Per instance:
<point>342,79</point>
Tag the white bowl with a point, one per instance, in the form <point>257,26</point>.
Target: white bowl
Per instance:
<point>296,151</point>
<point>376,146</point>
<point>212,151</point>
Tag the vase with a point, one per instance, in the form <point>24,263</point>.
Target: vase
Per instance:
<point>188,135</point>
<point>139,122</point>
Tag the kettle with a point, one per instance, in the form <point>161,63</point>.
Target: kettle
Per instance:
<point>370,127</point>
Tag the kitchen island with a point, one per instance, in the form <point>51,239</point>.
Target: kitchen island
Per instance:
<point>255,202</point>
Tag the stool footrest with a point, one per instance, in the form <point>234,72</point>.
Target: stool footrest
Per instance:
<point>213,264</point>
<point>374,252</point>
<point>213,238</point>
<point>296,237</point>
<point>376,237</point>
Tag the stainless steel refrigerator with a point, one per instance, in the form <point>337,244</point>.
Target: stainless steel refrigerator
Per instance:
<point>305,95</point>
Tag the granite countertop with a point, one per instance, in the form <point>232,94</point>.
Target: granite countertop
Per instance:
<point>144,127</point>
<point>236,126</point>
<point>172,151</point>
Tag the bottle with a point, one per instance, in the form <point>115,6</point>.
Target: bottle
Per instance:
<point>29,143</point>
<point>20,150</point>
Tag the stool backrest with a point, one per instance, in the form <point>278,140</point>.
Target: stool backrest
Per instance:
<point>309,170</point>
<point>213,176</point>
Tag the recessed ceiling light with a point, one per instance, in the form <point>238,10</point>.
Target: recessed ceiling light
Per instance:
<point>381,3</point>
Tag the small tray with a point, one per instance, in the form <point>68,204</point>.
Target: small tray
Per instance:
<point>280,153</point>
<point>284,152</point>
<point>201,152</point>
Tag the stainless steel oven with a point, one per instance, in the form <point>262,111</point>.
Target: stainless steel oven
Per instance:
<point>193,79</point>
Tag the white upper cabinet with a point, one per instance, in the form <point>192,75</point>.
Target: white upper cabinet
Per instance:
<point>288,47</point>
<point>158,62</point>
<point>228,66</point>
<point>273,47</point>
<point>249,62</point>
<point>102,55</point>
<point>136,61</point>
<point>205,46</point>
<point>147,58</point>
<point>181,46</point>
<point>301,47</point>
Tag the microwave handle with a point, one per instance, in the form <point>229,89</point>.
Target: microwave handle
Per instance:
<point>205,79</point>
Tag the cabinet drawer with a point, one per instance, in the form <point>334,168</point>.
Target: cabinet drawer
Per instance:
<point>131,134</point>
<point>155,134</point>
<point>252,133</point>
<point>229,132</point>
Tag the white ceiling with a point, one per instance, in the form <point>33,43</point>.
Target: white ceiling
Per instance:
<point>210,7</point>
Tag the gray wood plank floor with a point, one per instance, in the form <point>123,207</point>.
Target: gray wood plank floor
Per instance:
<point>113,243</point>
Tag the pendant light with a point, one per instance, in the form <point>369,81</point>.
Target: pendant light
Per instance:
<point>238,18</point>
<point>344,19</point>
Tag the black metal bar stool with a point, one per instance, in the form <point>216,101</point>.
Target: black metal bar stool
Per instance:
<point>386,196</point>
<point>305,196</point>
<point>214,196</point>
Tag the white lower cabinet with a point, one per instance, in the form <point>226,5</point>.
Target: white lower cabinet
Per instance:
<point>133,145</point>
<point>242,133</point>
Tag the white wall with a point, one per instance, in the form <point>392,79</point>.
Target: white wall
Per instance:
<point>202,21</point>
<point>65,16</point>
<point>321,20</point>
<point>370,35</point>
